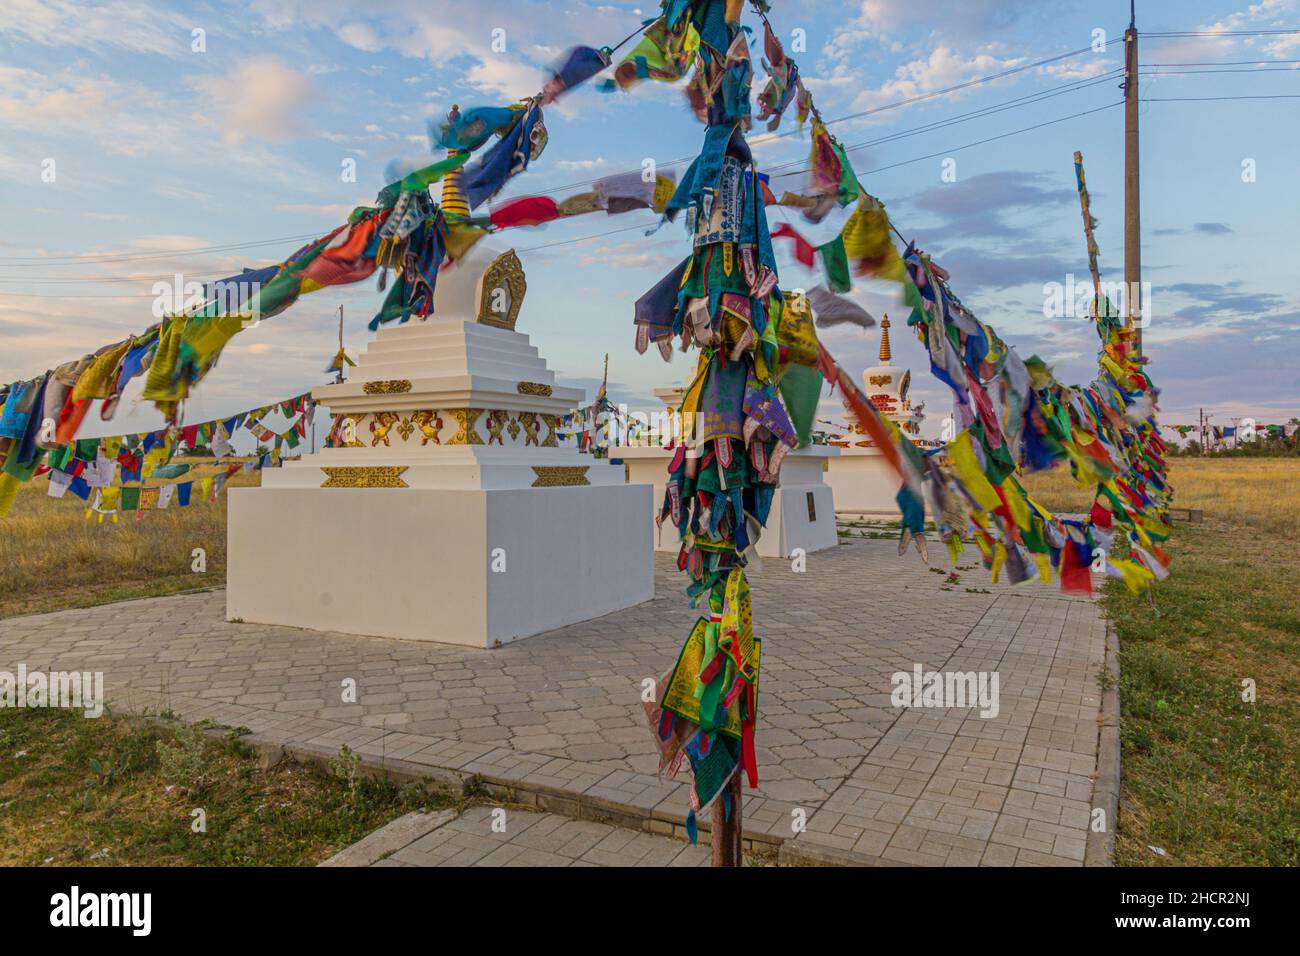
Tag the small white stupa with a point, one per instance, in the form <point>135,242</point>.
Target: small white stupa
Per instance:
<point>863,480</point>
<point>445,510</point>
<point>803,511</point>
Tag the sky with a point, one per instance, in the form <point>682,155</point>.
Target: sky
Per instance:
<point>140,140</point>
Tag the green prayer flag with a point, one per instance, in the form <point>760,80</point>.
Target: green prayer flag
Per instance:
<point>836,264</point>
<point>130,499</point>
<point>20,471</point>
<point>801,388</point>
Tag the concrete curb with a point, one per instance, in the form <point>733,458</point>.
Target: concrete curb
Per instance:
<point>1100,847</point>
<point>796,852</point>
<point>390,838</point>
<point>578,806</point>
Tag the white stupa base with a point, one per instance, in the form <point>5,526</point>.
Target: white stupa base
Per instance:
<point>418,564</point>
<point>864,483</point>
<point>803,510</point>
<point>447,511</point>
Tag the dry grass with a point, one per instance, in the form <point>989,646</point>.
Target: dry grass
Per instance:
<point>53,557</point>
<point>1208,778</point>
<point>1264,492</point>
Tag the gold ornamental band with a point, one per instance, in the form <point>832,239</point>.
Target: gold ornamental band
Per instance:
<point>560,476</point>
<point>374,476</point>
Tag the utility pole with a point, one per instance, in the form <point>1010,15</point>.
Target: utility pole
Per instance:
<point>1132,198</point>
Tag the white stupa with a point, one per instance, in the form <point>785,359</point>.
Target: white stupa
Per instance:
<point>864,482</point>
<point>445,509</point>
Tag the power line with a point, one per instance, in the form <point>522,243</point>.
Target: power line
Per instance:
<point>1028,99</point>
<point>1264,69</point>
<point>1224,63</point>
<point>643,225</point>
<point>1219,33</point>
<point>907,101</point>
<point>1206,99</point>
<point>758,141</point>
<point>991,139</point>
<point>1014,103</point>
<point>141,256</point>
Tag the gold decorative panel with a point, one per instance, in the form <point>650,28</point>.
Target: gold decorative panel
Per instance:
<point>560,476</point>
<point>394,386</point>
<point>429,424</point>
<point>496,423</point>
<point>534,388</point>
<point>374,476</point>
<point>466,419</point>
<point>552,422</point>
<point>532,428</point>
<point>380,426</point>
<point>501,293</point>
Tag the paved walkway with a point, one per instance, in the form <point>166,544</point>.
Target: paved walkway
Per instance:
<point>557,720</point>
<point>492,836</point>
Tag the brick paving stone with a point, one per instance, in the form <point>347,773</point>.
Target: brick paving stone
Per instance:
<point>561,711</point>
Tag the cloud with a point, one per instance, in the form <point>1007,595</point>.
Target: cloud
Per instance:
<point>260,97</point>
<point>1225,303</point>
<point>360,36</point>
<point>582,164</point>
<point>61,109</point>
<point>942,68</point>
<point>977,206</point>
<point>33,100</point>
<point>885,19</point>
<point>975,269</point>
<point>1212,228</point>
<point>641,254</point>
<point>136,27</point>
<point>469,40</point>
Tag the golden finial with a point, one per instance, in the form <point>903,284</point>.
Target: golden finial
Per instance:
<point>884,340</point>
<point>453,200</point>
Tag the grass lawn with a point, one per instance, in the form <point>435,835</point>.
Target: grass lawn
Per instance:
<point>55,558</point>
<point>1207,777</point>
<point>120,791</point>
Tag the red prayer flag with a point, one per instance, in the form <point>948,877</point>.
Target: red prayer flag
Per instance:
<point>804,250</point>
<point>525,211</point>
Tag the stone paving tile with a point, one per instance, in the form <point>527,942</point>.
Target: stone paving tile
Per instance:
<point>561,711</point>
<point>489,836</point>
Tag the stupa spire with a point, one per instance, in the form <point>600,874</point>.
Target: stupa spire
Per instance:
<point>884,340</point>
<point>453,200</point>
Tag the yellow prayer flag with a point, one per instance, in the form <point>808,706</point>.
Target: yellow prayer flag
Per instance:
<point>966,466</point>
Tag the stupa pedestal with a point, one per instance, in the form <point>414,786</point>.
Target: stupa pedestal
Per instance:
<point>803,510</point>
<point>450,513</point>
<point>864,482</point>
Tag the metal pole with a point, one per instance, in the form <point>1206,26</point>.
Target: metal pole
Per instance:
<point>1132,198</point>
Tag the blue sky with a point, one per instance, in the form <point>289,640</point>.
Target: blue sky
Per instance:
<point>159,149</point>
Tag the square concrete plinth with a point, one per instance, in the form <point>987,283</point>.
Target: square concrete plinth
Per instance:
<point>470,567</point>
<point>803,510</point>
